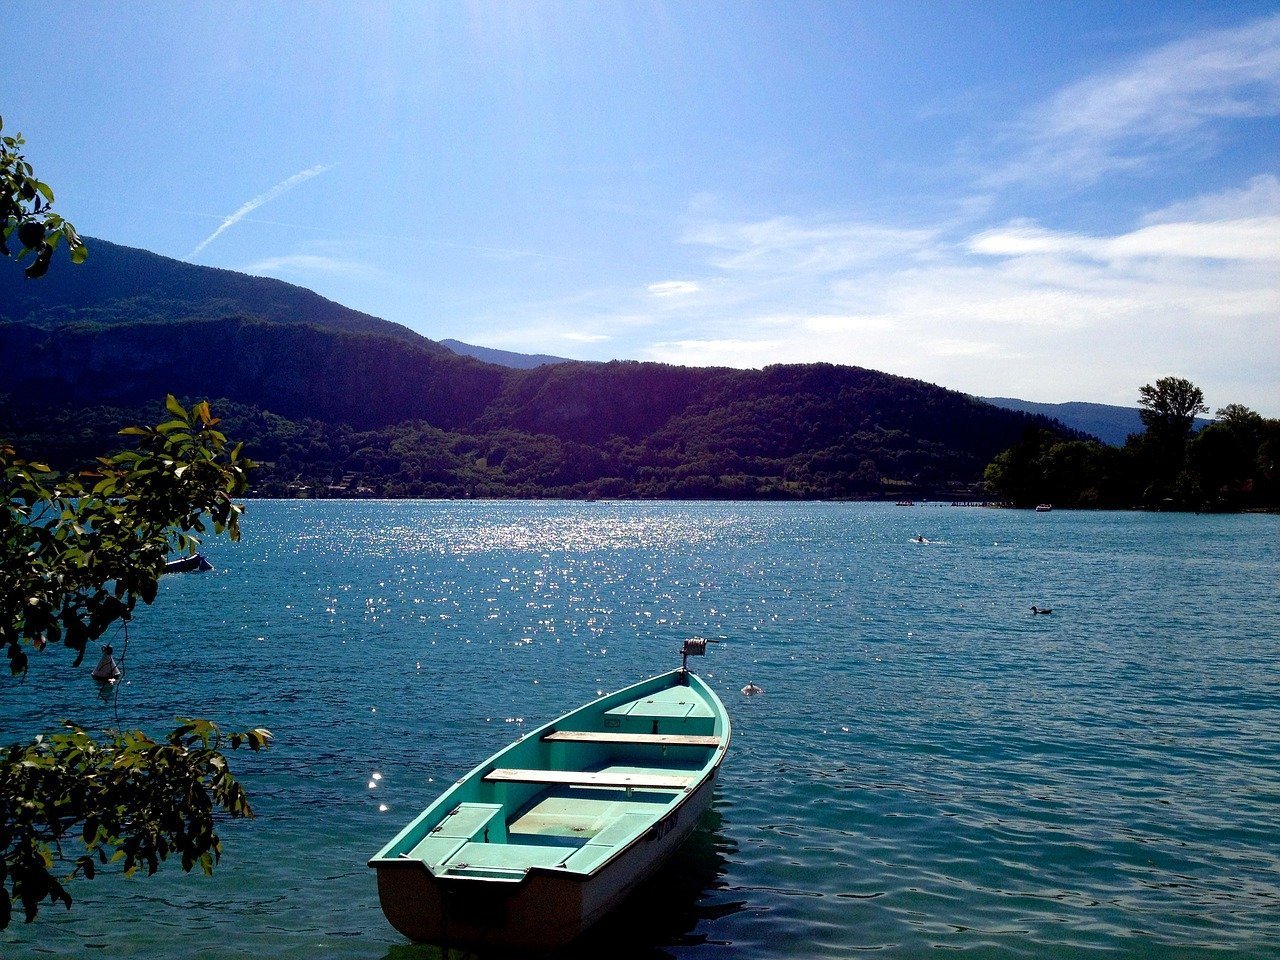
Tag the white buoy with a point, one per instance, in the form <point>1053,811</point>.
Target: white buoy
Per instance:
<point>107,670</point>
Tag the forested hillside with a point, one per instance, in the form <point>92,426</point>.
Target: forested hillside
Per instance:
<point>334,402</point>
<point>124,285</point>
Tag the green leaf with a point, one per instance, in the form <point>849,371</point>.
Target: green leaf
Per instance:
<point>41,265</point>
<point>174,407</point>
<point>31,233</point>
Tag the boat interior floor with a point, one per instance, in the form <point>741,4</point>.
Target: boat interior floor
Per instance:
<point>579,815</point>
<point>565,827</point>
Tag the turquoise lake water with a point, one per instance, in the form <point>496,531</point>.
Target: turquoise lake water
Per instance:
<point>931,771</point>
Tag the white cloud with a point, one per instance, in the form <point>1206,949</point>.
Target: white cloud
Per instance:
<point>727,352</point>
<point>1254,238</point>
<point>785,243</point>
<point>1016,310</point>
<point>1260,197</point>
<point>673,288</point>
<point>1171,99</point>
<point>967,348</point>
<point>310,264</point>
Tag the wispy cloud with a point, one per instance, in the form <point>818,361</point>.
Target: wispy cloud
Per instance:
<point>310,264</point>
<point>1019,309</point>
<point>284,186</point>
<point>1249,238</point>
<point>673,288</point>
<point>788,244</point>
<point>1260,197</point>
<point>1168,100</point>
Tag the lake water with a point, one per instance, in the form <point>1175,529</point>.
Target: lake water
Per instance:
<point>931,771</point>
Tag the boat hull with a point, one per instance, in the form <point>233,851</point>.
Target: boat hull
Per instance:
<point>540,841</point>
<point>196,563</point>
<point>545,910</point>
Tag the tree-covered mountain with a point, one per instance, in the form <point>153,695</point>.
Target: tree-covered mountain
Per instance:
<point>124,285</point>
<point>332,400</point>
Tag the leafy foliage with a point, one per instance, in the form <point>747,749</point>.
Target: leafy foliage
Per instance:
<point>26,213</point>
<point>128,800</point>
<point>1169,406</point>
<point>77,553</point>
<point>1229,465</point>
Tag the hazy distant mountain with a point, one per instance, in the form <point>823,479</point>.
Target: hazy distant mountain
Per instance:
<point>1110,424</point>
<point>503,358</point>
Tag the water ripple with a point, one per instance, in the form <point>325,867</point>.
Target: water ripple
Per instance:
<point>931,769</point>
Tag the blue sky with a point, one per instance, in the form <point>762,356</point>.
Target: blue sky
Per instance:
<point>1053,201</point>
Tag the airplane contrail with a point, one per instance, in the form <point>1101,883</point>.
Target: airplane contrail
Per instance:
<point>282,187</point>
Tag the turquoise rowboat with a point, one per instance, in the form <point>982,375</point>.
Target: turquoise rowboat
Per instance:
<point>546,836</point>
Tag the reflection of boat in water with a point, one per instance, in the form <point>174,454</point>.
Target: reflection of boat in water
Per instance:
<point>547,836</point>
<point>196,563</point>
<point>667,909</point>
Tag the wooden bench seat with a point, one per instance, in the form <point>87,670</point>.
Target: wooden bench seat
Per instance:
<point>661,739</point>
<point>577,778</point>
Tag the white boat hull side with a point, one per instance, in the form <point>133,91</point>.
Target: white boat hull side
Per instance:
<point>544,910</point>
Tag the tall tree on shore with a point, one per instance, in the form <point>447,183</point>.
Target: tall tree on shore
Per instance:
<point>1168,409</point>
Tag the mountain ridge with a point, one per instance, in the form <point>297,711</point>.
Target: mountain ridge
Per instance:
<point>1109,423</point>
<point>119,284</point>
<point>504,358</point>
<point>321,394</point>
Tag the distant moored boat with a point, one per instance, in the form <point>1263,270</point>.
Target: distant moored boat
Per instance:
<point>192,564</point>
